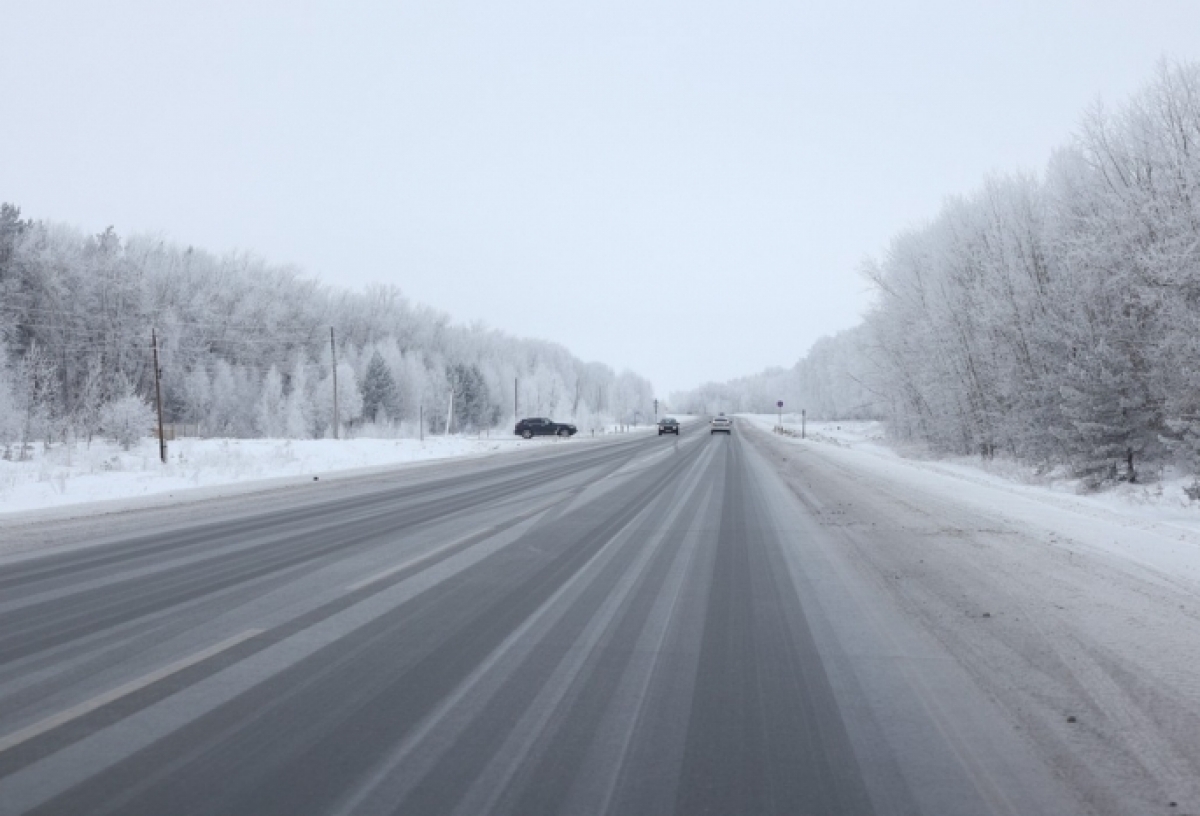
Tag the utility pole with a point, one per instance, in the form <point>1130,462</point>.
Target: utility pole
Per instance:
<point>333,359</point>
<point>656,410</point>
<point>162,441</point>
<point>803,419</point>
<point>421,422</point>
<point>516,412</point>
<point>450,412</point>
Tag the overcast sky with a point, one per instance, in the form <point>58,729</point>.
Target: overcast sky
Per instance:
<point>685,189</point>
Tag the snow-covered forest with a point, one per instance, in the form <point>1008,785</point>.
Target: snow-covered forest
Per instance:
<point>245,350</point>
<point>1051,318</point>
<point>826,382</point>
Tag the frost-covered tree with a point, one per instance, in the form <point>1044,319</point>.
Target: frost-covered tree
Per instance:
<point>223,320</point>
<point>197,396</point>
<point>1054,319</point>
<point>10,416</point>
<point>298,410</point>
<point>85,416</point>
<point>233,388</point>
<point>473,408</point>
<point>127,419</point>
<point>35,388</point>
<point>271,405</point>
<point>349,399</point>
<point>380,397</point>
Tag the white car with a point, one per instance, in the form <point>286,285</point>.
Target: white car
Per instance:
<point>720,424</point>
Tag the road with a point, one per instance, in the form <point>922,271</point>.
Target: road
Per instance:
<point>647,626</point>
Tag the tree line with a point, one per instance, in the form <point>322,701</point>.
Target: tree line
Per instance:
<point>826,383</point>
<point>1052,318</point>
<point>245,349</point>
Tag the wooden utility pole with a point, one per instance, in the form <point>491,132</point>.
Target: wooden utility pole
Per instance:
<point>333,358</point>
<point>803,420</point>
<point>162,440</point>
<point>421,422</point>
<point>450,412</point>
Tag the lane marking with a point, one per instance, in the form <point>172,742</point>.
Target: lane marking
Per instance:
<point>99,701</point>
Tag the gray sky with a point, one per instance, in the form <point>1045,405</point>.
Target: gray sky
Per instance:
<point>686,189</point>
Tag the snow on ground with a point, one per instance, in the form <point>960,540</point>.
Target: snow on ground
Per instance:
<point>1156,525</point>
<point>68,475</point>
<point>77,474</point>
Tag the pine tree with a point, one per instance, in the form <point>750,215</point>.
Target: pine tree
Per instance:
<point>379,392</point>
<point>473,407</point>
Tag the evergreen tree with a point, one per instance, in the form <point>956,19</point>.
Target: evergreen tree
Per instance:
<point>473,407</point>
<point>380,397</point>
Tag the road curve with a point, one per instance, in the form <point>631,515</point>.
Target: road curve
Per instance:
<point>655,625</point>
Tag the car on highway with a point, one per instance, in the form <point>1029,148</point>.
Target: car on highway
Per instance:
<point>541,426</point>
<point>721,424</point>
<point>668,425</point>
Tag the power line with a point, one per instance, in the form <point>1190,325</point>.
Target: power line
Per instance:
<point>161,314</point>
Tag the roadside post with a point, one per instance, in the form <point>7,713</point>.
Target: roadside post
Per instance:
<point>333,364</point>
<point>162,441</point>
<point>779,427</point>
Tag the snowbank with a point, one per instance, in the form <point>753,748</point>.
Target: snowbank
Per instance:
<point>67,475</point>
<point>1156,525</point>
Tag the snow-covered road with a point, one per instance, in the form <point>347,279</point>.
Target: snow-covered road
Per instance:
<point>744,624</point>
<point>1080,618</point>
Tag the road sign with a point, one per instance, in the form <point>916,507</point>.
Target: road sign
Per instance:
<point>779,404</point>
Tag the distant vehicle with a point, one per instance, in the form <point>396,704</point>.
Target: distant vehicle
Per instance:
<point>540,426</point>
<point>668,425</point>
<point>721,424</point>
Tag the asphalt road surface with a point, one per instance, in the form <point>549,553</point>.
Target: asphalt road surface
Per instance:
<point>647,626</point>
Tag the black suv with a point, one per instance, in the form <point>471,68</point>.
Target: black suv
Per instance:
<point>668,425</point>
<point>540,426</point>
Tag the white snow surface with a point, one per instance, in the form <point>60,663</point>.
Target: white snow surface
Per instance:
<point>1156,525</point>
<point>71,475</point>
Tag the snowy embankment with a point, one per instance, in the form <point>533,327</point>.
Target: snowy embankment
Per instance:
<point>71,475</point>
<point>1157,524</point>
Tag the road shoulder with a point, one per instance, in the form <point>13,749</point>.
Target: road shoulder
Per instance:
<point>1086,653</point>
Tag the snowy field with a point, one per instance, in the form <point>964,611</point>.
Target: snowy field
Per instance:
<point>73,475</point>
<point>1155,524</point>
<point>78,474</point>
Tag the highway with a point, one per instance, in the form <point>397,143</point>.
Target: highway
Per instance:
<point>644,625</point>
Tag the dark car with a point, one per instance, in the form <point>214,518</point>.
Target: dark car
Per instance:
<point>540,426</point>
<point>668,425</point>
